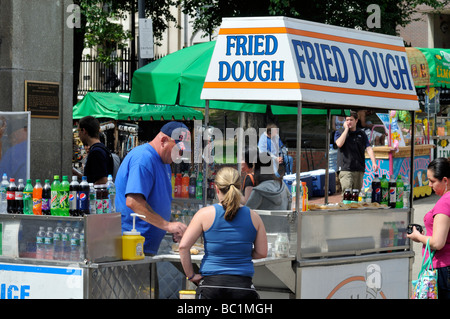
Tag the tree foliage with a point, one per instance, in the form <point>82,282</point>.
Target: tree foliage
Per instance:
<point>346,13</point>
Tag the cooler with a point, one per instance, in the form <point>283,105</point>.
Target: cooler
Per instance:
<point>304,177</point>
<point>318,182</point>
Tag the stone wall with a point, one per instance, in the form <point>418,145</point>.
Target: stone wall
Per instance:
<point>37,45</point>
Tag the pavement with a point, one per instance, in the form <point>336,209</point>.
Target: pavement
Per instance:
<point>421,207</point>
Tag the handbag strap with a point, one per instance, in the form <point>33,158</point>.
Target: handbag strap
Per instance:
<point>427,263</point>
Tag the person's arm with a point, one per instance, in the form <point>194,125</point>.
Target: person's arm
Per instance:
<point>138,204</point>
<point>193,232</point>
<point>441,224</point>
<point>372,158</point>
<point>260,244</point>
<point>247,193</point>
<point>341,139</point>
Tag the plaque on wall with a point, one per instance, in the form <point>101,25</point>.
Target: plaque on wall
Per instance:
<point>42,99</point>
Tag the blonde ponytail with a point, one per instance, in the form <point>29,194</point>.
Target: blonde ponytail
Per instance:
<point>228,182</point>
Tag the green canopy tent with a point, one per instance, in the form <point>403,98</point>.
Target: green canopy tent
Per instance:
<point>429,67</point>
<point>116,106</point>
<point>177,79</point>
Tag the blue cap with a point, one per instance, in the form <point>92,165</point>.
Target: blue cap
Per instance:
<point>180,133</point>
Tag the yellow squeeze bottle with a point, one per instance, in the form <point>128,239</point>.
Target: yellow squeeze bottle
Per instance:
<point>133,243</point>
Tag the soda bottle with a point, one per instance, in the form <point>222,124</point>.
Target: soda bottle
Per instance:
<point>66,241</point>
<point>192,184</point>
<point>37,198</point>
<point>75,245</point>
<point>392,192</point>
<point>28,198</point>
<point>178,185</point>
<point>355,194</point>
<point>49,243</point>
<point>98,199</point>
<point>74,188</point>
<point>185,186</point>
<point>376,190</point>
<point>46,197</point>
<point>112,194</point>
<point>58,242</point>
<point>3,186</point>
<point>199,187</point>
<point>384,190</point>
<point>384,235</point>
<point>11,197</point>
<point>105,196</point>
<point>83,197</point>
<point>305,206</point>
<point>40,243</point>
<point>92,199</point>
<point>347,196</point>
<point>64,197</point>
<point>400,192</point>
<point>19,197</point>
<point>294,195</point>
<point>54,202</point>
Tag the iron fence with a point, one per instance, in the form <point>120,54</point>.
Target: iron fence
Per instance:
<point>99,77</point>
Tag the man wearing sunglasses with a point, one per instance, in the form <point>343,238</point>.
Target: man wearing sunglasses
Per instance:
<point>143,186</point>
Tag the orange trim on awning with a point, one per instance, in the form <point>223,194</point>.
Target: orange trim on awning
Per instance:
<point>306,86</point>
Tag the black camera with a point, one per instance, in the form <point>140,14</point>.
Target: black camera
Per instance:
<point>410,228</point>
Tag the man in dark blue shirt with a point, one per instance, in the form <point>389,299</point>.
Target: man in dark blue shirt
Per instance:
<point>352,144</point>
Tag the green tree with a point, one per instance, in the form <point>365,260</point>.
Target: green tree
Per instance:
<point>346,13</point>
<point>99,29</point>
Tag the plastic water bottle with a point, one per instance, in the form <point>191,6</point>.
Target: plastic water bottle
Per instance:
<point>58,242</point>
<point>75,245</point>
<point>332,158</point>
<point>3,186</point>
<point>49,243</point>
<point>66,236</point>
<point>112,194</point>
<point>92,199</point>
<point>82,244</point>
<point>406,192</point>
<point>40,243</point>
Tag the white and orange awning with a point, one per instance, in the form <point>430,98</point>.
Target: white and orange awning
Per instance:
<point>285,59</point>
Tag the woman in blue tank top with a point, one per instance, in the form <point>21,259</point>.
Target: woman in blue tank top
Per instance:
<point>233,236</point>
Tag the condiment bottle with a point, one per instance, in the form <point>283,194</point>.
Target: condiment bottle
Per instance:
<point>133,242</point>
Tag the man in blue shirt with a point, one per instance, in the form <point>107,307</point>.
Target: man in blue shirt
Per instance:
<point>270,142</point>
<point>143,186</point>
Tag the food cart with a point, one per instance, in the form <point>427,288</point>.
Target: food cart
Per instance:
<point>337,253</point>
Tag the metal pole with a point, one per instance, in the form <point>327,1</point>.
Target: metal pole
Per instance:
<point>327,155</point>
<point>297,177</point>
<point>204,164</point>
<point>141,10</point>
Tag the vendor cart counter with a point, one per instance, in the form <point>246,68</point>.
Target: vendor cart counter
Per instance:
<point>361,253</point>
<point>401,163</point>
<point>98,273</point>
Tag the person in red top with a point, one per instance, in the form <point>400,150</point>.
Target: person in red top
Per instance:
<point>437,224</point>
